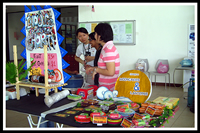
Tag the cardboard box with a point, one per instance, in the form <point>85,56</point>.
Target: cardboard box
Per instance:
<point>170,102</point>
<point>86,93</point>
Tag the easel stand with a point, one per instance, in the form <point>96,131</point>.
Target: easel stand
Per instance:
<point>45,85</point>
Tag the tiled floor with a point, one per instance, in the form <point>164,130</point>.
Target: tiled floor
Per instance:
<point>183,118</point>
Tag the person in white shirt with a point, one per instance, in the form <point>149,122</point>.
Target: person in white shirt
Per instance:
<point>87,50</point>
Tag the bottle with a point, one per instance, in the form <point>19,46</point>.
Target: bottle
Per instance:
<point>36,78</point>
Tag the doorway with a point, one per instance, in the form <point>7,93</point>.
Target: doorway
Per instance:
<point>69,20</point>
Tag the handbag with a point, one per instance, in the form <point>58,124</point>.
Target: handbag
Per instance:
<point>162,68</point>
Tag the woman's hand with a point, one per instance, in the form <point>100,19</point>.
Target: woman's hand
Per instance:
<point>89,69</point>
<point>89,58</point>
<point>94,73</point>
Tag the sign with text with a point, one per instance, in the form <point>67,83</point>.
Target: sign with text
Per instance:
<point>151,111</point>
<point>41,29</point>
<point>123,106</point>
<point>136,86</point>
<point>126,123</point>
<point>39,65</point>
<point>99,119</point>
<point>138,116</point>
<point>124,32</point>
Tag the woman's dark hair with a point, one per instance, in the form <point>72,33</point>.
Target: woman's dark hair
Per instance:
<point>105,31</point>
<point>91,35</point>
<point>83,30</point>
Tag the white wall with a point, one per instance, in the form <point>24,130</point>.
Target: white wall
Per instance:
<point>161,32</point>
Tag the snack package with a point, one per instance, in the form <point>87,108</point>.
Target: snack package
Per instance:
<point>170,102</point>
<point>74,97</point>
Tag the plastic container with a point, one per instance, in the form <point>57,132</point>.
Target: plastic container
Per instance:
<point>55,97</point>
<point>76,81</point>
<point>73,90</point>
<point>7,97</point>
<point>36,78</point>
<point>186,63</point>
<point>190,93</point>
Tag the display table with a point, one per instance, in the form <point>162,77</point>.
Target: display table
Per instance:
<point>32,105</point>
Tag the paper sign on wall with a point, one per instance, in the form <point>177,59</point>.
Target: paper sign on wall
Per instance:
<point>123,32</point>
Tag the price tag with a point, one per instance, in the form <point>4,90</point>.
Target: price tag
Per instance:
<point>138,116</point>
<point>126,123</point>
<point>121,109</point>
<point>150,111</point>
<point>99,119</point>
<point>96,113</point>
<point>133,104</point>
<point>82,116</point>
<point>123,106</point>
<point>112,115</point>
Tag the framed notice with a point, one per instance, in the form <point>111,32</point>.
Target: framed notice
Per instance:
<point>124,32</point>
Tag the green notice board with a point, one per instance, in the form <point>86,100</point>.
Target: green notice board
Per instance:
<point>124,32</point>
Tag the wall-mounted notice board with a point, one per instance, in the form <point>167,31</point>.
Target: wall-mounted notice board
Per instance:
<point>124,32</point>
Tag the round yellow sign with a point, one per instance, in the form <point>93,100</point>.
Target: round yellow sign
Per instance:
<point>135,85</point>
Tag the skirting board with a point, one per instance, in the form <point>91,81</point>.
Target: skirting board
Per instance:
<point>167,84</point>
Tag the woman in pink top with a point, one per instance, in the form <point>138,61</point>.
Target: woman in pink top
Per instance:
<point>108,63</point>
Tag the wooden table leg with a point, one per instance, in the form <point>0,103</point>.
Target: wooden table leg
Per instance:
<point>56,89</point>
<point>36,92</point>
<point>18,92</point>
<point>46,91</point>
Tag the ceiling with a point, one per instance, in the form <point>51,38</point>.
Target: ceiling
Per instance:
<point>65,10</point>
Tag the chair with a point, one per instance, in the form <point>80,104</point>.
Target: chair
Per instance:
<point>155,73</point>
<point>147,66</point>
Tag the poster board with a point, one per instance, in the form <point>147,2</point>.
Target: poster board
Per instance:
<point>124,32</point>
<point>41,26</point>
<point>191,41</point>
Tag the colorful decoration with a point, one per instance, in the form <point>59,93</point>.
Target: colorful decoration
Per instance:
<point>93,8</point>
<point>103,93</point>
<point>41,26</point>
<point>166,113</point>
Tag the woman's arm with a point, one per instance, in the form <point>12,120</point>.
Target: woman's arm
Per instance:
<point>78,59</point>
<point>89,58</point>
<point>70,72</point>
<point>109,71</point>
